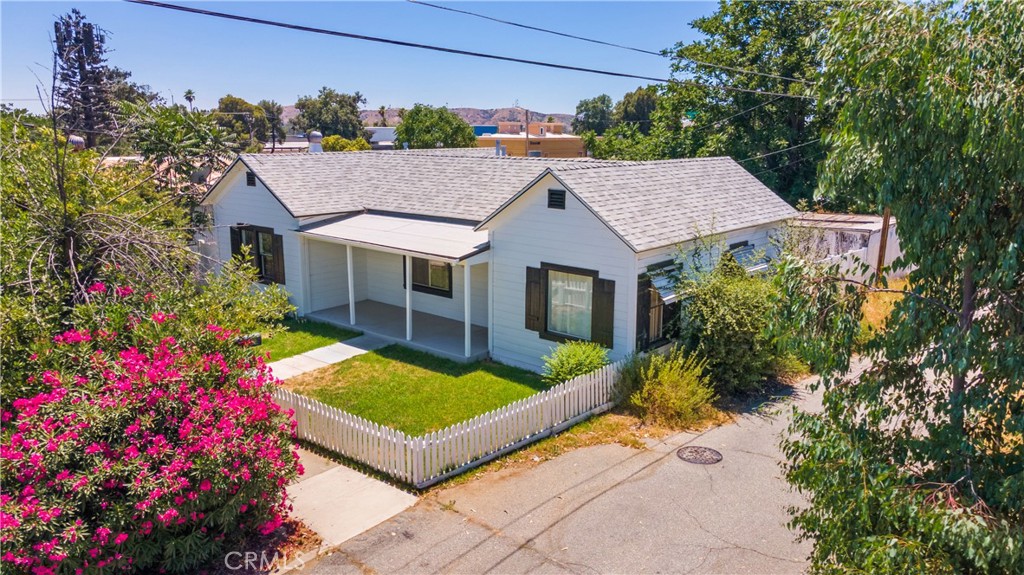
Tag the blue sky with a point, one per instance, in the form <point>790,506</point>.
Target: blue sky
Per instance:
<point>173,51</point>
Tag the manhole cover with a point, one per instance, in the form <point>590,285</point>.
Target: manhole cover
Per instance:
<point>697,454</point>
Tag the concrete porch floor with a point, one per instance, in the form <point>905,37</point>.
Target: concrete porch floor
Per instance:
<point>430,333</point>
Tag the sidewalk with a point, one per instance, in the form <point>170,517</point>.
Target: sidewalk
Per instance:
<point>324,356</point>
<point>339,503</point>
<point>335,501</point>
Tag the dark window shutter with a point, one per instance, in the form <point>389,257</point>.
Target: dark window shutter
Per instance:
<point>236,241</point>
<point>602,328</point>
<point>535,304</point>
<point>250,179</point>
<point>278,245</point>
<point>420,271</point>
<point>643,312</point>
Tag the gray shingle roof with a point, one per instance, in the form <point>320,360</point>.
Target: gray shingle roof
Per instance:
<point>654,204</point>
<point>461,184</point>
<point>649,204</point>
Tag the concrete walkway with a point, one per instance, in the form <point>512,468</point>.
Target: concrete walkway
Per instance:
<point>324,356</point>
<point>339,503</point>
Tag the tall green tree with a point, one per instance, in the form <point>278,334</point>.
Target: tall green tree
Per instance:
<point>181,147</point>
<point>636,107</point>
<point>429,127</point>
<point>780,42</point>
<point>332,113</point>
<point>593,115</point>
<point>917,465</point>
<point>123,89</point>
<point>248,122</point>
<point>82,88</point>
<point>273,111</point>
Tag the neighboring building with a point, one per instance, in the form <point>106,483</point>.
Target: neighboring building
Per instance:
<point>467,255</point>
<point>382,138</point>
<point>480,130</point>
<point>852,239</point>
<point>291,143</point>
<point>539,139</point>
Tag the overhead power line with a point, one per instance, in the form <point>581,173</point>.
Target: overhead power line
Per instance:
<point>364,37</point>
<point>535,28</point>
<point>747,111</point>
<point>601,42</point>
<point>807,143</point>
<point>794,162</point>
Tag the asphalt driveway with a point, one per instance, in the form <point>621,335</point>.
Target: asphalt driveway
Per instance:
<point>606,509</point>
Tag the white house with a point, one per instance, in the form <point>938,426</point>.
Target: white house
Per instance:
<point>853,240</point>
<point>467,254</point>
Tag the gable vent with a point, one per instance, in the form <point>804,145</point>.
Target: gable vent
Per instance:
<point>556,199</point>
<point>250,179</point>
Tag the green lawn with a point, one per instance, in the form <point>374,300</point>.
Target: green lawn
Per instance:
<point>301,336</point>
<point>413,391</point>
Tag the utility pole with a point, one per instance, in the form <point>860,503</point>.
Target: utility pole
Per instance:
<point>882,247</point>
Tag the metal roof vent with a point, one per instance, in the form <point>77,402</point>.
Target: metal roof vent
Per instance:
<point>315,146</point>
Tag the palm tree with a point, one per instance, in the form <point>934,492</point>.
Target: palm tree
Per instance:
<point>190,97</point>
<point>383,116</point>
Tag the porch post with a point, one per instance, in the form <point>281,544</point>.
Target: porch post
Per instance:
<point>351,286</point>
<point>467,285</point>
<point>408,298</point>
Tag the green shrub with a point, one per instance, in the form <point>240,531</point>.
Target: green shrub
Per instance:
<point>339,144</point>
<point>724,320</point>
<point>573,359</point>
<point>671,389</point>
<point>147,438</point>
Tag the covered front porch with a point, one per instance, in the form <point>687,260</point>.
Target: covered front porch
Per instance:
<point>431,333</point>
<point>417,282</point>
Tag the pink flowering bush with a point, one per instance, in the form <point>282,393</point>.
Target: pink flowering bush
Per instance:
<point>147,440</point>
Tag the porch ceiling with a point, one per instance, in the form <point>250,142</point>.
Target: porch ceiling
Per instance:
<point>424,238</point>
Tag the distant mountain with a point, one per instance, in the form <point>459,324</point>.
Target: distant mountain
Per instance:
<point>476,116</point>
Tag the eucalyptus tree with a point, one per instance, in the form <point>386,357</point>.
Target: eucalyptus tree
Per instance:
<point>917,464</point>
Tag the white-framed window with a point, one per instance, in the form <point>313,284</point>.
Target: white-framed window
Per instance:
<point>570,304</point>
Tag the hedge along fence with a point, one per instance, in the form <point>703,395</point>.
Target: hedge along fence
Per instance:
<point>428,459</point>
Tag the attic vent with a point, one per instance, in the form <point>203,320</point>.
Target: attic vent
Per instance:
<point>250,179</point>
<point>556,199</point>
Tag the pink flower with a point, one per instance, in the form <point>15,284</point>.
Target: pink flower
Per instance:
<point>205,485</point>
<point>124,291</point>
<point>120,538</point>
<point>97,288</point>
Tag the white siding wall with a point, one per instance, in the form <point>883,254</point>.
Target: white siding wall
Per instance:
<point>759,237</point>
<point>528,233</point>
<point>379,278</point>
<point>328,279</point>
<point>239,203</point>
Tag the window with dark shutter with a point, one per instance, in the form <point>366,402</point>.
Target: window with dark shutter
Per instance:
<point>263,249</point>
<point>643,312</point>
<point>565,303</point>
<point>535,300</point>
<point>604,313</point>
<point>556,199</point>
<point>430,276</point>
<point>250,179</point>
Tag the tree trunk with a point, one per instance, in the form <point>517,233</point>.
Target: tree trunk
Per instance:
<point>967,307</point>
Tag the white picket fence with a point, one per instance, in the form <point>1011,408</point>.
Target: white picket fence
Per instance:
<point>433,457</point>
